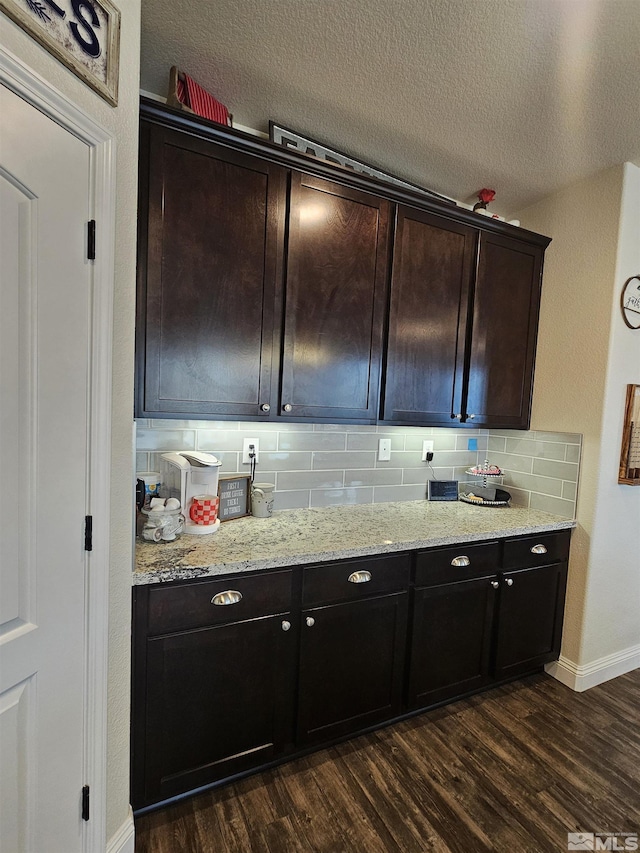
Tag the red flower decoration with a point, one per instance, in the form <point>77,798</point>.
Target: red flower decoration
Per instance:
<point>486,195</point>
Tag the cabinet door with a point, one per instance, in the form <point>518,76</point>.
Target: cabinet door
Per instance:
<point>211,232</point>
<point>504,329</point>
<point>451,640</point>
<point>530,619</point>
<point>432,269</point>
<point>351,666</point>
<point>335,301</point>
<point>218,701</point>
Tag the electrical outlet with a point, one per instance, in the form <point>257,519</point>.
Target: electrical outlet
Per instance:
<point>246,459</point>
<point>427,447</point>
<point>384,450</point>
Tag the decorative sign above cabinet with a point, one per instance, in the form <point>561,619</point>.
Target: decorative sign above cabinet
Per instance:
<point>291,139</point>
<point>83,34</point>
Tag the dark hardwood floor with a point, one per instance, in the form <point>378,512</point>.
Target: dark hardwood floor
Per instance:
<point>514,769</point>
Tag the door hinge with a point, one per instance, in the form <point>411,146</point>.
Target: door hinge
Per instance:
<point>88,533</point>
<point>91,240</point>
<point>85,803</point>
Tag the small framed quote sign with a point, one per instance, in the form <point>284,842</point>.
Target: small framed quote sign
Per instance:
<point>83,34</point>
<point>234,491</point>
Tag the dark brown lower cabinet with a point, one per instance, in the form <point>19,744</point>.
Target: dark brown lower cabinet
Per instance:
<point>213,681</point>
<point>451,640</point>
<point>217,703</point>
<point>529,618</point>
<point>480,628</point>
<point>351,666</point>
<point>240,671</point>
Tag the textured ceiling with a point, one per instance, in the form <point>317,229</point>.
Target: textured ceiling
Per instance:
<point>523,96</point>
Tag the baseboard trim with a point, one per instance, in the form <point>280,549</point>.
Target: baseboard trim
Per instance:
<point>580,678</point>
<point>124,839</point>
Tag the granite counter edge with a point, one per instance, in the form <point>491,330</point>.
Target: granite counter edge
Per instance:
<point>166,575</point>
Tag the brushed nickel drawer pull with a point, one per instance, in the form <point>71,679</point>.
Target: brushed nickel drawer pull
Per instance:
<point>310,621</point>
<point>359,577</point>
<point>286,625</point>
<point>229,596</point>
<point>495,584</point>
<point>461,561</point>
<point>509,581</point>
<point>539,549</point>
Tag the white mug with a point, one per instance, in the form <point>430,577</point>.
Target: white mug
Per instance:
<point>262,500</point>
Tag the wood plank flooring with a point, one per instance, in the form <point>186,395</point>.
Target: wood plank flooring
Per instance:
<point>514,769</point>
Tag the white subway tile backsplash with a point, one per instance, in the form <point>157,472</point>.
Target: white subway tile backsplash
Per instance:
<point>417,492</point>
<point>555,505</point>
<point>165,439</point>
<point>310,479</point>
<point>312,441</point>
<point>533,483</point>
<point>373,477</point>
<point>334,464</point>
<point>340,497</point>
<point>346,459</point>
<point>563,470</point>
<point>572,453</point>
<point>541,449</point>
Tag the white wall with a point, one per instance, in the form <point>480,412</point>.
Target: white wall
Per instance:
<point>122,122</point>
<point>585,359</point>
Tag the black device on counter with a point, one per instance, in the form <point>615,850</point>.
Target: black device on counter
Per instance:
<point>442,490</point>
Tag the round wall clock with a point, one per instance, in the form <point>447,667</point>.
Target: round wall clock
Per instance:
<point>630,302</point>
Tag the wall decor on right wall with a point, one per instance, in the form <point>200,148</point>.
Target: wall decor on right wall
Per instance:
<point>629,474</point>
<point>630,302</point>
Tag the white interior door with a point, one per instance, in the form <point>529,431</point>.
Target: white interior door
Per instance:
<point>45,301</point>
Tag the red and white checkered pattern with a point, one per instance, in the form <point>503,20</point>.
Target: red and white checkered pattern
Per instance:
<point>204,512</point>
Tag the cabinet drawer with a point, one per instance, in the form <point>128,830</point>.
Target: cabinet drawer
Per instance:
<point>181,608</point>
<point>522,553</point>
<point>436,567</point>
<point>369,576</point>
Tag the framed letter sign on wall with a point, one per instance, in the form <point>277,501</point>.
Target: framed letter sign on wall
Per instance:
<point>83,34</point>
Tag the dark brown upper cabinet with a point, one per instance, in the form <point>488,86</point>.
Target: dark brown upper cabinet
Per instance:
<point>335,300</point>
<point>433,266</point>
<point>210,244</point>
<point>504,327</point>
<point>273,286</point>
<point>462,325</point>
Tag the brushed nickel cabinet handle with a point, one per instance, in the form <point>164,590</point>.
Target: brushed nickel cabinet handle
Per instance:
<point>310,621</point>
<point>359,577</point>
<point>495,584</point>
<point>509,581</point>
<point>265,407</point>
<point>287,407</point>
<point>286,625</point>
<point>539,549</point>
<point>461,561</point>
<point>229,596</point>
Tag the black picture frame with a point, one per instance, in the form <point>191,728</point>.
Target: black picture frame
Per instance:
<point>234,491</point>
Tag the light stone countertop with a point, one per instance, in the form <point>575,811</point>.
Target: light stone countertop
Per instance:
<point>294,537</point>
